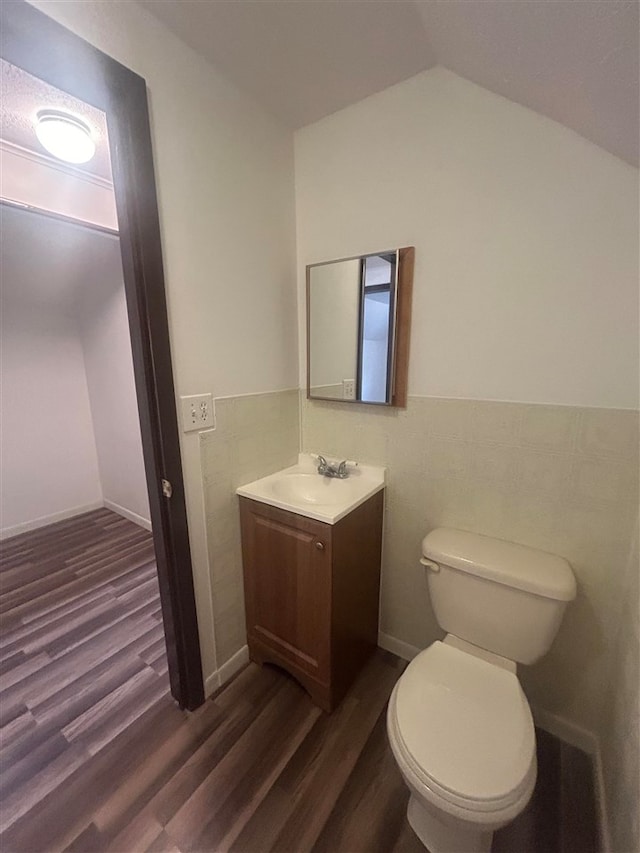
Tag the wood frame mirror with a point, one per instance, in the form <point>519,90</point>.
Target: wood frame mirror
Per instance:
<point>358,328</point>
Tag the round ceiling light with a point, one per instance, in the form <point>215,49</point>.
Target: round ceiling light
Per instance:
<point>65,136</point>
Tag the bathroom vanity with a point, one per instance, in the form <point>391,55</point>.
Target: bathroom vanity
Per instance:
<point>312,575</point>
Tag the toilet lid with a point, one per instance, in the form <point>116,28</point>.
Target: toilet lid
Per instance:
<point>466,726</point>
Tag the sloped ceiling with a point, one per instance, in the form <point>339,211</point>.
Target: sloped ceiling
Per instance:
<point>575,61</point>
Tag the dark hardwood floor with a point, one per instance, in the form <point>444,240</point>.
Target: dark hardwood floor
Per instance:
<point>95,755</point>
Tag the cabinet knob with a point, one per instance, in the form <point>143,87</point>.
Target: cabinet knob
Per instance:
<point>320,546</point>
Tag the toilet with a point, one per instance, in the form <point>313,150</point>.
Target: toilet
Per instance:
<point>458,722</point>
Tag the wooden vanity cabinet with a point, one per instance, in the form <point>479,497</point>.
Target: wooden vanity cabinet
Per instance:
<point>311,593</point>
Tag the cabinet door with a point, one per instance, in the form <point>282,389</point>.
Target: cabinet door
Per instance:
<point>287,561</point>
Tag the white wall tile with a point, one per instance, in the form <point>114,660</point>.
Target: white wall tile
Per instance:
<point>496,422</point>
<point>605,480</point>
<point>549,427</point>
<point>449,418</point>
<point>620,724</point>
<point>493,463</point>
<point>447,458</point>
<point>549,473</point>
<point>608,432</point>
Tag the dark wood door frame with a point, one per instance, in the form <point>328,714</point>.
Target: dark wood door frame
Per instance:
<point>44,48</point>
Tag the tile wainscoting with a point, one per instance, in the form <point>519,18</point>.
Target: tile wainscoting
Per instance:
<point>559,478</point>
<point>255,435</point>
<point>620,727</point>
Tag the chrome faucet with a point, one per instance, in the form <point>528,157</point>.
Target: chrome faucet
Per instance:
<point>327,470</point>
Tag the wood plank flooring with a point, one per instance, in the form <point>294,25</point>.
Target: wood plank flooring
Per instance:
<point>97,756</point>
<point>82,650</point>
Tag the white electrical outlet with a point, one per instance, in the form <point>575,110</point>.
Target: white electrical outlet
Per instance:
<point>197,412</point>
<point>349,389</point>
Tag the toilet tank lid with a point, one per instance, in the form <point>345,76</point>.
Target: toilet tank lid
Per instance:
<point>504,562</point>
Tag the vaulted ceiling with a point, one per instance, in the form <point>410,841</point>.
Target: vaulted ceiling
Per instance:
<point>575,61</point>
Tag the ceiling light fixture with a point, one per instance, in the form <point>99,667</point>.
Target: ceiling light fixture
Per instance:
<point>66,137</point>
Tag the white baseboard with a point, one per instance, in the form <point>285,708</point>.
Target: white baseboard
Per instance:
<point>235,663</point>
<point>128,514</point>
<point>565,730</point>
<point>226,671</point>
<point>397,647</point>
<point>211,684</point>
<point>43,521</point>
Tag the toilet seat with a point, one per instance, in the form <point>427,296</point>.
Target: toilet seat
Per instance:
<point>462,728</point>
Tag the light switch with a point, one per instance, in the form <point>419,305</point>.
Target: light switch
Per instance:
<point>197,412</point>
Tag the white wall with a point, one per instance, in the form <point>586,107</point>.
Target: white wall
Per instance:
<point>225,181</point>
<point>104,332</point>
<point>526,236</point>
<point>49,460</point>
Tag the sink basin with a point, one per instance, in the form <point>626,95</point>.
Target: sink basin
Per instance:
<point>302,490</point>
<point>311,489</point>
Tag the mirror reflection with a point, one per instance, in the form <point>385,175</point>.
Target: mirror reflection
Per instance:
<point>351,307</point>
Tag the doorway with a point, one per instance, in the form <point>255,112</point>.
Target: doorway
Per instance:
<point>40,47</point>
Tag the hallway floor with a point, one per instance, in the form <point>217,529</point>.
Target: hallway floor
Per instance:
<point>82,651</point>
<point>96,755</point>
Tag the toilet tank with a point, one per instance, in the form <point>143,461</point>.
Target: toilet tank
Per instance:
<point>500,596</point>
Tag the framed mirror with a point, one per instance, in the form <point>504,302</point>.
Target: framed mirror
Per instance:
<point>358,320</point>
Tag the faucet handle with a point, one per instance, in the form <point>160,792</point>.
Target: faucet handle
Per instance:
<point>321,460</point>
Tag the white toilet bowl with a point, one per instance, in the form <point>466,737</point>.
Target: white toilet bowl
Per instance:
<point>462,734</point>
<point>458,722</point>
